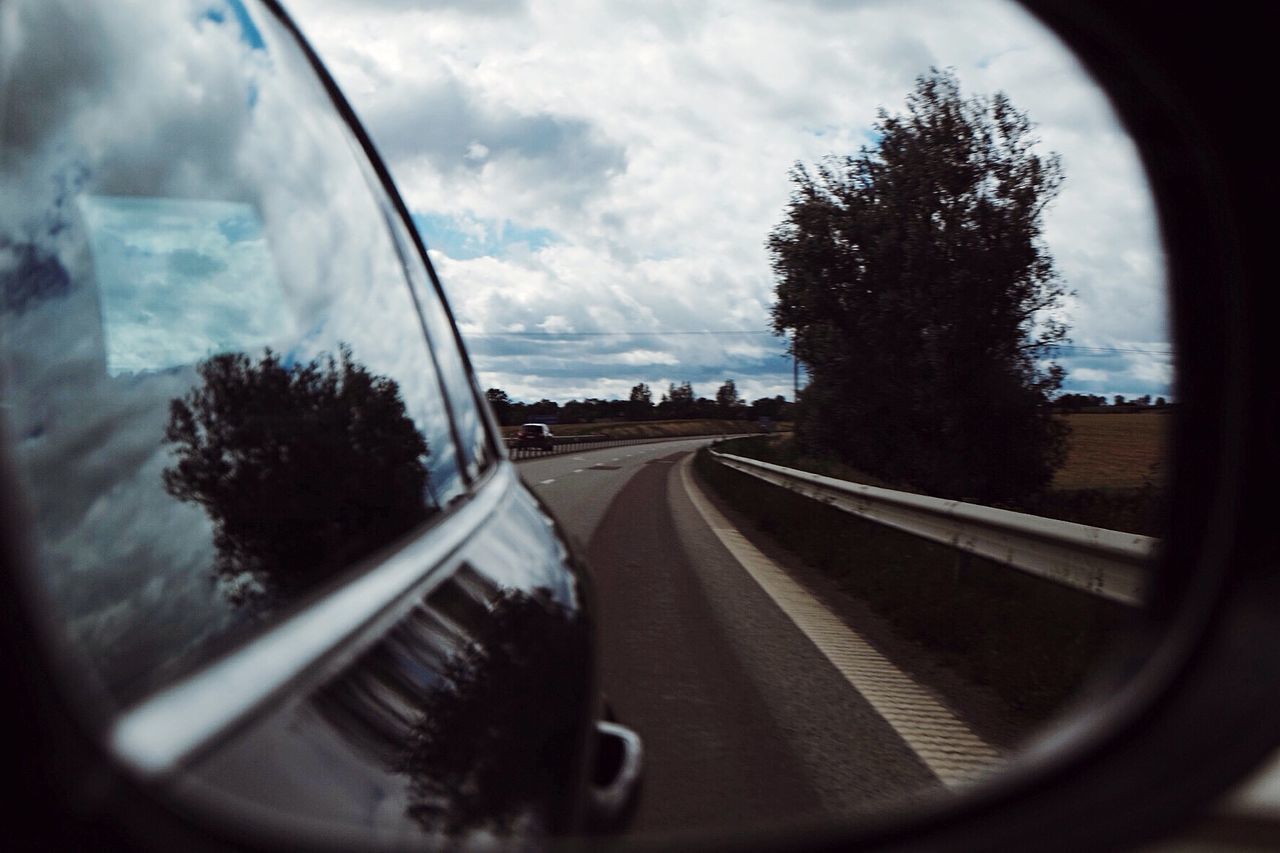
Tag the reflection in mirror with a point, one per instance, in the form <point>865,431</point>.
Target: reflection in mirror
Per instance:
<point>213,379</point>
<point>904,252</point>
<point>910,243</point>
<point>302,469</point>
<point>475,699</point>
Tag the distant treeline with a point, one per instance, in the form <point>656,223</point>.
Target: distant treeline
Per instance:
<point>1098,403</point>
<point>677,404</point>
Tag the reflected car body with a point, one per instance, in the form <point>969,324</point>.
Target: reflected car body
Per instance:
<point>268,528</point>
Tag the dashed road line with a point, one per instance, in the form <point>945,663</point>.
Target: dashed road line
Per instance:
<point>577,470</point>
<point>544,482</point>
<point>948,747</point>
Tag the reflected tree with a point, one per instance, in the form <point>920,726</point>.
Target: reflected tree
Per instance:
<point>302,467</point>
<point>496,738</point>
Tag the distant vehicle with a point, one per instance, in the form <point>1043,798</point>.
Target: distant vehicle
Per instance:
<point>535,435</point>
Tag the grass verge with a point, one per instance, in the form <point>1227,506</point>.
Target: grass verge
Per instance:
<point>1129,498</point>
<point>1034,642</point>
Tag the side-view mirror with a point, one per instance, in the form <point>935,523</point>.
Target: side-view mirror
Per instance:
<point>272,574</point>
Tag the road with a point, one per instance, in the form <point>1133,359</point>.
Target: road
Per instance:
<point>745,719</point>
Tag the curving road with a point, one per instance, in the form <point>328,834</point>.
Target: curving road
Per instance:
<point>745,719</point>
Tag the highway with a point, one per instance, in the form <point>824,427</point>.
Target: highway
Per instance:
<point>747,706</point>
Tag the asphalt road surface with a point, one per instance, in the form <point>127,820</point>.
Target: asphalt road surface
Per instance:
<point>745,721</point>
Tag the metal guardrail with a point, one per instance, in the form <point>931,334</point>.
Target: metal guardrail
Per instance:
<point>1106,563</point>
<point>573,443</point>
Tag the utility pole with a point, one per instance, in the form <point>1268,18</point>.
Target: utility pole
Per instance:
<point>795,371</point>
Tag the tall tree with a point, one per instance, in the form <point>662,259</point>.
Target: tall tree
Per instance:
<point>501,403</point>
<point>921,298</point>
<point>680,398</point>
<point>640,404</point>
<point>728,403</point>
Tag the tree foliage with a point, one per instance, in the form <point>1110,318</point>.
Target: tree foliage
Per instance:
<point>728,403</point>
<point>920,296</point>
<point>302,468</point>
<point>640,403</point>
<point>679,401</point>
<point>500,403</point>
<point>497,738</point>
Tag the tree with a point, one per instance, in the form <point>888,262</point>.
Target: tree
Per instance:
<point>640,404</point>
<point>302,468</point>
<point>1119,400</point>
<point>772,408</point>
<point>500,403</point>
<point>679,400</point>
<point>543,410</point>
<point>1076,402</point>
<point>728,403</point>
<point>922,299</point>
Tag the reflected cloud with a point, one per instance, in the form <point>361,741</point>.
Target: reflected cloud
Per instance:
<point>181,279</point>
<point>162,207</point>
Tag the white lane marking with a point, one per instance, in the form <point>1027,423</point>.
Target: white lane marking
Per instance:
<point>577,470</point>
<point>544,482</point>
<point>579,459</point>
<point>614,459</point>
<point>955,754</point>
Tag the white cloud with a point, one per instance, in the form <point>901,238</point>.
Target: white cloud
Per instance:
<point>654,144</point>
<point>1089,374</point>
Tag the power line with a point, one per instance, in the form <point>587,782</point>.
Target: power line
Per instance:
<point>1111,349</point>
<point>769,332</point>
<point>616,334</point>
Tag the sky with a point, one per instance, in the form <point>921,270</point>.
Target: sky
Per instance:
<point>596,181</point>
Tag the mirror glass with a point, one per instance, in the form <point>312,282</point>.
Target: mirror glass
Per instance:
<point>922,221</point>
<point>216,393</point>
<point>831,337</point>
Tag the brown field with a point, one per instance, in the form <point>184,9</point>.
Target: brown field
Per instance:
<point>1105,451</point>
<point>653,429</point>
<point>1114,451</point>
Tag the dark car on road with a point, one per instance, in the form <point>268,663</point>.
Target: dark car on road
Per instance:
<point>537,436</point>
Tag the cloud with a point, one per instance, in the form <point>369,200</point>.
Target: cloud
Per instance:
<point>400,7</point>
<point>452,127</point>
<point>162,204</point>
<point>653,144</point>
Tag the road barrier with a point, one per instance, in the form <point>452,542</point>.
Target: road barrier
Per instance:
<point>1105,563</point>
<point>573,443</point>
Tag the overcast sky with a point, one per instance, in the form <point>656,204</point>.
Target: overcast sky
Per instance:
<point>581,170</point>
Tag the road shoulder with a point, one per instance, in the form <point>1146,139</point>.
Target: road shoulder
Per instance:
<point>979,706</point>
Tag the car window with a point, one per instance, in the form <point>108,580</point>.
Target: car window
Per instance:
<point>213,374</point>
